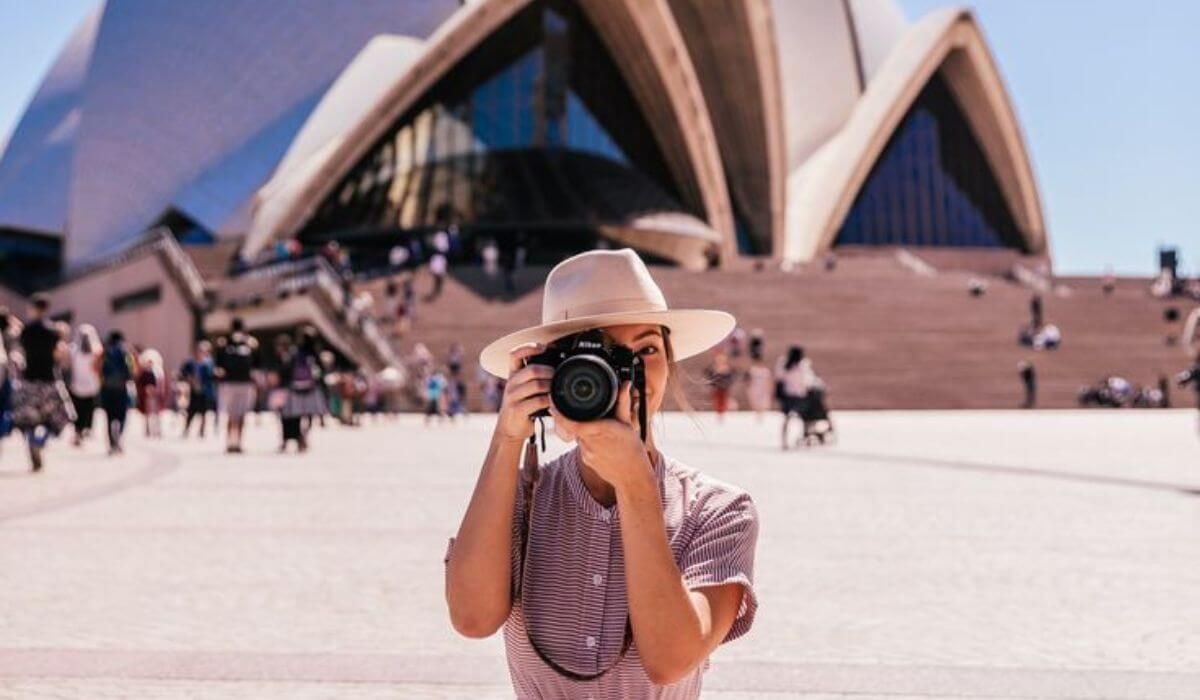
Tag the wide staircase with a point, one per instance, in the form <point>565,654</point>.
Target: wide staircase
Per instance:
<point>880,333</point>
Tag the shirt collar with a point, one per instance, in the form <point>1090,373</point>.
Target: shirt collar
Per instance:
<point>583,498</point>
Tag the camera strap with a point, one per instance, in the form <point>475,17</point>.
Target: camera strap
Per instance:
<point>529,479</point>
<point>639,380</point>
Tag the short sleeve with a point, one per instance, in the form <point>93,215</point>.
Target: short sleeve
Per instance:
<point>722,552</point>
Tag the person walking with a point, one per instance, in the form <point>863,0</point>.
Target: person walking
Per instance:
<point>1029,381</point>
<point>758,386</point>
<point>435,388</point>
<point>437,268</point>
<point>117,368</point>
<point>236,361</point>
<point>6,384</point>
<point>794,377</point>
<point>721,376</point>
<point>615,569</point>
<point>1035,312</point>
<point>199,373</point>
<point>152,390</point>
<point>86,354</point>
<point>41,405</point>
<point>301,374</point>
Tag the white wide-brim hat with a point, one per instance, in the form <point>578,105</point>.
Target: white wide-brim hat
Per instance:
<point>604,288</point>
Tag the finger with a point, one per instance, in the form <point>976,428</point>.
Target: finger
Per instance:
<point>530,388</point>
<point>625,403</point>
<point>533,404</point>
<point>516,356</point>
<point>531,371</point>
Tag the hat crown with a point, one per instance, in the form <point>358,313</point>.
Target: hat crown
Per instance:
<point>600,282</point>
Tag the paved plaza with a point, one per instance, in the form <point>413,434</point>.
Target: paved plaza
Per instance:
<point>926,555</point>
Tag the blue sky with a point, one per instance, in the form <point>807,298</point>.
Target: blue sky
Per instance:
<point>1108,93</point>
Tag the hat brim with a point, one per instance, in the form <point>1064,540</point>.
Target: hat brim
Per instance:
<point>692,332</point>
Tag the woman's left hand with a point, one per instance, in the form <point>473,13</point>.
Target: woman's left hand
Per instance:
<point>612,447</point>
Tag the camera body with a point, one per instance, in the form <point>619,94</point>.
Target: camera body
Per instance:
<point>588,371</point>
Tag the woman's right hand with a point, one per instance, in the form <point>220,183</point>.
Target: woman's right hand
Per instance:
<point>526,393</point>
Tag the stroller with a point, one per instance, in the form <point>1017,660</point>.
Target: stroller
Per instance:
<point>814,413</point>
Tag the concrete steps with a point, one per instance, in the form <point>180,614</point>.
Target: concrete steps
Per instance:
<point>879,334</point>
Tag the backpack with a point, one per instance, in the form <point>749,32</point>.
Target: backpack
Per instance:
<point>114,369</point>
<point>304,375</point>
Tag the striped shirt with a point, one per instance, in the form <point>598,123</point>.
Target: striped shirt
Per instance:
<point>574,599</point>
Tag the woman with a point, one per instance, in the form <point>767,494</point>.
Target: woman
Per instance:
<point>720,375</point>
<point>627,568</point>
<point>151,390</point>
<point>85,378</point>
<point>794,377</point>
<point>758,386</point>
<point>301,375</point>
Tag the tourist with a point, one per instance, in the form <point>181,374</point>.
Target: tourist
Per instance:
<point>408,292</point>
<point>41,406</point>
<point>759,387</point>
<point>300,374</point>
<point>152,390</point>
<point>117,369</point>
<point>490,255</point>
<point>435,387</point>
<point>437,268</point>
<point>758,345</point>
<point>1029,382</point>
<point>1035,312</point>
<point>1191,376</point>
<point>720,376</point>
<point>735,344</point>
<point>454,359</point>
<point>199,375</point>
<point>236,362</point>
<point>491,388</point>
<point>5,383</point>
<point>794,377</point>
<point>86,353</point>
<point>610,509</point>
<point>455,398</point>
<point>397,258</point>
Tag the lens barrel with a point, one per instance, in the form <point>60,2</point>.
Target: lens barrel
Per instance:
<point>584,388</point>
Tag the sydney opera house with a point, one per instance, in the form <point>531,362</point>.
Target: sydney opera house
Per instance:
<point>696,131</point>
<point>725,135</point>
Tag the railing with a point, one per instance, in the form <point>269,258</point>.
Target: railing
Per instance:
<point>316,278</point>
<point>161,242</point>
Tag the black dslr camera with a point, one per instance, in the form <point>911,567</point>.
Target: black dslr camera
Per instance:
<point>588,371</point>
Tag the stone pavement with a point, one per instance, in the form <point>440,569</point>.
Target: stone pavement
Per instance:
<point>927,555</point>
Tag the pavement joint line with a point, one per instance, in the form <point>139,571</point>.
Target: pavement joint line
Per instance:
<point>161,463</point>
<point>1013,470</point>
<point>747,676</point>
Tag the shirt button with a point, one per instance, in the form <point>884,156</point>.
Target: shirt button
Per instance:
<point>597,580</point>
<point>590,641</point>
<point>605,515</point>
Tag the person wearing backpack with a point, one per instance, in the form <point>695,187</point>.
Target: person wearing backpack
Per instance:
<point>117,368</point>
<point>300,373</point>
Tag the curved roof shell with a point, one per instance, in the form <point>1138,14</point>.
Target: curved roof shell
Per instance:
<point>769,113</point>
<point>35,169</point>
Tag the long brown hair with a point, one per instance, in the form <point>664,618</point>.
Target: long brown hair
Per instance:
<point>674,375</point>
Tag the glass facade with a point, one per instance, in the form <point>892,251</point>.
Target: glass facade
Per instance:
<point>932,185</point>
<point>535,131</point>
<point>29,260</point>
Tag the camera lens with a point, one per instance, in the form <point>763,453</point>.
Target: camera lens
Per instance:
<point>584,388</point>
